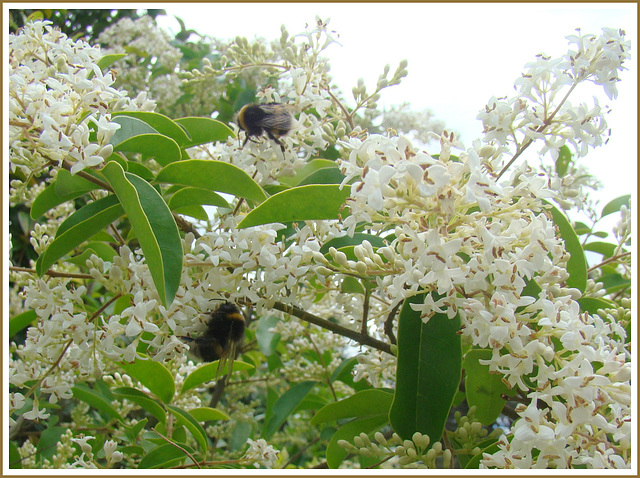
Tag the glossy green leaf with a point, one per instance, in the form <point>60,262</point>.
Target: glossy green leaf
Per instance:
<point>153,375</point>
<point>65,188</point>
<point>191,424</point>
<point>616,204</point>
<point>164,456</point>
<point>483,389</point>
<point>214,176</point>
<point>197,212</point>
<point>344,374</point>
<point>154,227</point>
<point>563,161</point>
<point>428,372</point>
<point>474,463</point>
<point>160,123</point>
<point>323,176</point>
<point>209,372</point>
<point>335,453</point>
<point>204,130</point>
<point>129,128</point>
<point>95,400</point>
<point>312,202</point>
<point>21,321</point>
<point>196,196</point>
<point>311,167</point>
<point>49,437</point>
<point>204,414</point>
<point>284,405</point>
<point>15,460</point>
<point>79,227</point>
<point>267,340</point>
<point>592,304</point>
<point>607,249</point>
<point>157,146</point>
<point>147,403</point>
<point>577,264</point>
<point>367,403</point>
<point>108,60</point>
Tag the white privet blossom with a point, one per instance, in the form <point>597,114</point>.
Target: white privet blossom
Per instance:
<point>450,226</point>
<point>261,453</point>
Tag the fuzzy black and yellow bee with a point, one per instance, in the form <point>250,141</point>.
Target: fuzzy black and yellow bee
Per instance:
<point>273,119</point>
<point>220,340</point>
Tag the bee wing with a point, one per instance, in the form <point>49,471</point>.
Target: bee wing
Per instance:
<point>279,117</point>
<point>228,356</point>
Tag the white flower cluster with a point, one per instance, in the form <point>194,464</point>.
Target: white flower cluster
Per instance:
<point>541,110</point>
<point>58,98</point>
<point>260,453</point>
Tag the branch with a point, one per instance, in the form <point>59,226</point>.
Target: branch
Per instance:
<point>335,328</point>
<point>51,273</point>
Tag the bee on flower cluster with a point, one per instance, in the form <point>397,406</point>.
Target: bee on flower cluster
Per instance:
<point>273,119</point>
<point>221,338</point>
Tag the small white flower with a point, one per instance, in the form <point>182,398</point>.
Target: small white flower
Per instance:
<point>261,453</point>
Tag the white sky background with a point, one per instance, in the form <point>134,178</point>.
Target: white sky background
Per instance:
<point>459,55</point>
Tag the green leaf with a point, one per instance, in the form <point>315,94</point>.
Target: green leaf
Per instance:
<point>152,145</point>
<point>95,400</point>
<point>63,189</point>
<point>129,128</point>
<point>153,375</point>
<point>605,248</point>
<point>204,414</point>
<point>483,389</point>
<point>154,227</point>
<point>324,176</point>
<point>286,404</point>
<point>364,404</point>
<point>308,169</point>
<point>474,463</point>
<point>592,304</point>
<point>79,227</point>
<point>15,461</point>
<point>312,202</point>
<point>21,322</point>
<point>335,453</point>
<point>196,196</point>
<point>165,456</point>
<point>49,437</point>
<point>428,373</point>
<point>209,372</point>
<point>190,424</point>
<point>214,176</point>
<point>132,431</point>
<point>108,60</point>
<point>577,264</point>
<point>160,123</point>
<point>147,403</point>
<point>204,130</point>
<point>563,161</point>
<point>267,340</point>
<point>239,434</point>
<point>616,204</point>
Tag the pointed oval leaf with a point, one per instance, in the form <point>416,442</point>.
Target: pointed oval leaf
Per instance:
<point>157,146</point>
<point>366,403</point>
<point>616,204</point>
<point>304,203</point>
<point>577,264</point>
<point>129,127</point>
<point>190,424</point>
<point>204,414</point>
<point>21,321</point>
<point>284,405</point>
<point>428,373</point>
<point>204,130</point>
<point>196,196</point>
<point>214,176</point>
<point>209,372</point>
<point>108,60</point>
<point>154,227</point>
<point>160,123</point>
<point>483,389</point>
<point>95,400</point>
<point>153,375</point>
<point>65,188</point>
<point>164,456</point>
<point>136,396</point>
<point>79,227</point>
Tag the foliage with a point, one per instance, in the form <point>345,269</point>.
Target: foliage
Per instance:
<point>404,307</point>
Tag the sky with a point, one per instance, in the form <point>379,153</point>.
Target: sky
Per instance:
<point>459,55</point>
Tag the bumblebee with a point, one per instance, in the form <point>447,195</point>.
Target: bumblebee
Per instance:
<point>221,338</point>
<point>273,119</point>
